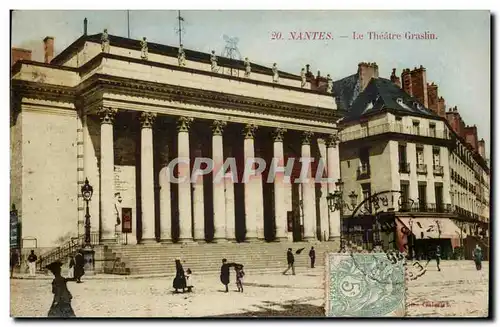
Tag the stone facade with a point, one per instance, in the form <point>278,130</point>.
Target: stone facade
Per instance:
<point>119,120</point>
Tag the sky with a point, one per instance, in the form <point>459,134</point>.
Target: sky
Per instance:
<point>458,60</point>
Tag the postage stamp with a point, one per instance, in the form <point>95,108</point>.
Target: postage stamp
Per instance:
<point>364,285</point>
<point>195,163</point>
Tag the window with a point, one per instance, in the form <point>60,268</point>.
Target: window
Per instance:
<point>404,166</point>
<point>422,196</point>
<point>416,127</point>
<point>432,130</point>
<point>438,189</point>
<point>405,196</point>
<point>366,191</point>
<point>436,156</point>
<point>420,155</point>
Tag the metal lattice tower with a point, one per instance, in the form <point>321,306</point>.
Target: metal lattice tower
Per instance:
<point>231,51</point>
<point>179,29</point>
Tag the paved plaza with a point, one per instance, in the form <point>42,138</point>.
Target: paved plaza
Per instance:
<point>458,290</point>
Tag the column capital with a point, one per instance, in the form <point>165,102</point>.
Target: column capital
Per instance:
<point>278,134</point>
<point>147,119</point>
<point>107,115</point>
<point>184,123</point>
<point>332,140</point>
<point>249,131</point>
<point>218,127</point>
<point>306,137</point>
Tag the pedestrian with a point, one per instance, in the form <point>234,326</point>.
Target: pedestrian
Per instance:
<point>224,273</point>
<point>79,269</point>
<point>437,255</point>
<point>32,258</point>
<point>290,260</point>
<point>239,277</point>
<point>478,256</point>
<point>180,278</point>
<point>14,261</point>
<point>71,268</point>
<point>312,255</point>
<point>189,280</point>
<point>61,304</point>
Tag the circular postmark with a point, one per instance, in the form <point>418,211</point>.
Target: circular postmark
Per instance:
<point>382,265</point>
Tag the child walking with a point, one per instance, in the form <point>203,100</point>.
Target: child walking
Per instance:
<point>189,280</point>
<point>239,277</point>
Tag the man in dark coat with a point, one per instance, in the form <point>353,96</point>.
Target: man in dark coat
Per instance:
<point>79,266</point>
<point>312,255</point>
<point>61,304</point>
<point>478,256</point>
<point>224,273</point>
<point>290,260</point>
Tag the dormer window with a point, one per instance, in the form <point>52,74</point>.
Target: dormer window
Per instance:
<point>399,101</point>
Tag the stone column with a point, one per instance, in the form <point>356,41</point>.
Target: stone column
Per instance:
<point>308,191</point>
<point>198,205</point>
<point>333,163</point>
<point>280,208</point>
<point>250,186</point>
<point>184,183</point>
<point>229,202</point>
<point>147,178</point>
<point>218,188</point>
<point>322,191</point>
<point>165,206</point>
<point>108,215</point>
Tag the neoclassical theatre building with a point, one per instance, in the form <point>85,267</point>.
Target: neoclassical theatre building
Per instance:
<point>117,111</point>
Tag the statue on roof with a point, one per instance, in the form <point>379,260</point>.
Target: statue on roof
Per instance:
<point>329,84</point>
<point>248,68</point>
<point>303,77</point>
<point>275,73</point>
<point>181,56</point>
<point>105,41</point>
<point>144,49</point>
<point>213,62</point>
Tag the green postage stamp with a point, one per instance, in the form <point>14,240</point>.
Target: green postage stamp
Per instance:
<point>364,285</point>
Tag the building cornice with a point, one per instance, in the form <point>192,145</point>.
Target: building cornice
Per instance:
<point>42,91</point>
<point>142,89</point>
<point>394,136</point>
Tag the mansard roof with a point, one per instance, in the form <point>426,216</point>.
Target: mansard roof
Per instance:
<point>382,94</point>
<point>164,50</point>
<point>346,90</point>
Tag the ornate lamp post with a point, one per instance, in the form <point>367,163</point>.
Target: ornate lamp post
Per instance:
<point>336,202</point>
<point>87,191</point>
<point>88,252</point>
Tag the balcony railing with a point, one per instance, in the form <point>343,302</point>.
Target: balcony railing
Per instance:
<point>392,128</point>
<point>404,167</point>
<point>438,170</point>
<point>422,169</point>
<point>465,213</point>
<point>425,207</point>
<point>363,172</point>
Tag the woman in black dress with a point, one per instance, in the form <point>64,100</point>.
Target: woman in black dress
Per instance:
<point>61,305</point>
<point>180,278</point>
<point>224,273</point>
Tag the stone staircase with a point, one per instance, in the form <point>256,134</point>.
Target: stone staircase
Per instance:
<point>206,258</point>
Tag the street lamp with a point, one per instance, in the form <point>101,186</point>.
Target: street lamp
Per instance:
<point>336,199</point>
<point>87,191</point>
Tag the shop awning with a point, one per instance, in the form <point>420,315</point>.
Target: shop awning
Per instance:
<point>424,228</point>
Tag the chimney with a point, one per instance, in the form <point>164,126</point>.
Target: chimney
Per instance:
<point>48,45</point>
<point>470,136</point>
<point>366,72</point>
<point>432,98</point>
<point>85,26</point>
<point>17,54</point>
<point>482,148</point>
<point>406,81</point>
<point>441,107</point>
<point>419,85</point>
<point>395,79</point>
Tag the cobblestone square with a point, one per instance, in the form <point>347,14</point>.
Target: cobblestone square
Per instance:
<point>458,290</point>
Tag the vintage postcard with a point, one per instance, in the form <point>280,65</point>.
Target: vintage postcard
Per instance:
<point>183,163</point>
